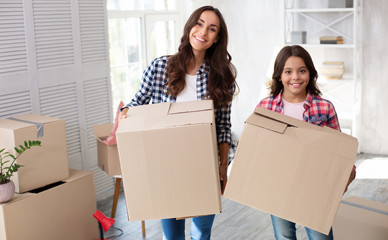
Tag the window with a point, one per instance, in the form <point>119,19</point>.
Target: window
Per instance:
<point>139,31</point>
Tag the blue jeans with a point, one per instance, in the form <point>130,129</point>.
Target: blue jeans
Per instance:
<point>200,228</point>
<point>286,230</point>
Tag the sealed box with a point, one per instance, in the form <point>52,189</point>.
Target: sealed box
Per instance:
<point>41,165</point>
<point>169,160</point>
<point>108,156</point>
<point>360,219</point>
<point>291,169</point>
<point>63,210</point>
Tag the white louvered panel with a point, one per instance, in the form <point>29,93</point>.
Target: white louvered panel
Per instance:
<point>97,108</point>
<point>15,104</point>
<point>92,26</point>
<point>104,184</point>
<point>61,101</point>
<point>53,33</point>
<point>13,55</point>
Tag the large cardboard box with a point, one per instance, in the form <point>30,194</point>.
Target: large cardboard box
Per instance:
<point>291,169</point>
<point>108,156</point>
<point>360,219</point>
<point>41,165</point>
<point>64,211</point>
<point>169,160</point>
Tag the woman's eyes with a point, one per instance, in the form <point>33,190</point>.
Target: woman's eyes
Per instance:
<point>211,29</point>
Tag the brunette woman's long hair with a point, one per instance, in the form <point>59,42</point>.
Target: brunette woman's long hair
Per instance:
<point>222,84</point>
<point>281,58</point>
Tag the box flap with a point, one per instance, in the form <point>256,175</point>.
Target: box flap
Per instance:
<point>298,123</point>
<point>102,130</point>
<point>192,106</point>
<point>266,123</point>
<point>162,115</point>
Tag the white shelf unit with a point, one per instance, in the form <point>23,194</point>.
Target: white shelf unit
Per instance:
<point>317,19</point>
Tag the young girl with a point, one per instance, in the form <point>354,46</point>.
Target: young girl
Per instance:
<point>201,69</point>
<point>294,92</point>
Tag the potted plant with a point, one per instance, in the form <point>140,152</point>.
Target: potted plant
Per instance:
<point>8,167</point>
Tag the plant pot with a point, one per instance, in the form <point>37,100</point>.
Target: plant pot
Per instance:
<point>7,190</point>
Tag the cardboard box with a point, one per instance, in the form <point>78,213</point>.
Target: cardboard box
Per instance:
<point>169,160</point>
<point>360,219</point>
<point>291,169</point>
<point>41,165</point>
<point>63,211</point>
<point>108,156</point>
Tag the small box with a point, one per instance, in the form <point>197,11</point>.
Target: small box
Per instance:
<point>63,211</point>
<point>291,169</point>
<point>298,37</point>
<point>108,156</point>
<point>169,160</point>
<point>340,3</point>
<point>41,165</point>
<point>360,219</point>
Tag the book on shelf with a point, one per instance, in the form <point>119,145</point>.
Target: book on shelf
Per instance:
<point>331,40</point>
<point>332,70</point>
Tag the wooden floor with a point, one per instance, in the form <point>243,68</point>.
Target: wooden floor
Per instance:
<point>239,222</point>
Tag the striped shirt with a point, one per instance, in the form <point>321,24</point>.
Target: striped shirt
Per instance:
<point>152,90</point>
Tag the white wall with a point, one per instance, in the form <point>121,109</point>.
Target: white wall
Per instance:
<point>255,31</point>
<point>374,108</point>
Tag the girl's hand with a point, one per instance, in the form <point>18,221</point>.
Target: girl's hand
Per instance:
<point>123,114</point>
<point>351,178</point>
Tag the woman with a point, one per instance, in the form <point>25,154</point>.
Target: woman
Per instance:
<point>201,69</point>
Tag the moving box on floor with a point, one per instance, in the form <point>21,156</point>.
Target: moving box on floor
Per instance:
<point>63,211</point>
<point>169,161</point>
<point>360,219</point>
<point>41,165</point>
<point>108,156</point>
<point>291,169</point>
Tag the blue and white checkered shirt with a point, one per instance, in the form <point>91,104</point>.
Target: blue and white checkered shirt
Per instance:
<point>152,89</point>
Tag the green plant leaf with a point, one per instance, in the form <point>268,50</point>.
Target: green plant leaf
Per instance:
<point>23,148</point>
<point>2,150</point>
<point>17,150</point>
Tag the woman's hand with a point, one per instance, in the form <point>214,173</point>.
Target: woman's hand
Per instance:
<point>123,114</point>
<point>223,177</point>
<point>223,151</point>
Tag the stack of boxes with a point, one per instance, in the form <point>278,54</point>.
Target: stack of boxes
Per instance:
<point>52,202</point>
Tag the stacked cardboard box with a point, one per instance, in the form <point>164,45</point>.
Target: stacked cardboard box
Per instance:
<point>291,169</point>
<point>63,210</point>
<point>169,160</point>
<point>41,165</point>
<point>53,202</point>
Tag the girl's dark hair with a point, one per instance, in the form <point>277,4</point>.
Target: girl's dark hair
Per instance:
<point>283,55</point>
<point>222,73</point>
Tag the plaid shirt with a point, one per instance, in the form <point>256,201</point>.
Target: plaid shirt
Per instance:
<point>317,111</point>
<point>152,89</point>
